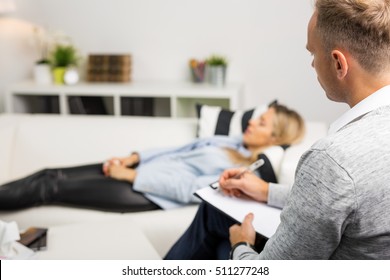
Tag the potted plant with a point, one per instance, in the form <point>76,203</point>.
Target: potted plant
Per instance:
<point>63,57</point>
<point>42,73</point>
<point>217,66</point>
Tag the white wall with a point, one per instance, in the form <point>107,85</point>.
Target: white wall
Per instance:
<point>16,56</point>
<point>264,41</point>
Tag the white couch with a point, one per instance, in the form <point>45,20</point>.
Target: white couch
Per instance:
<point>32,142</point>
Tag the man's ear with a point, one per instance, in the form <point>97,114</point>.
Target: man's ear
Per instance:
<point>340,63</point>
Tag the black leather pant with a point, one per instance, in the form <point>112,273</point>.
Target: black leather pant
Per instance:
<point>81,186</point>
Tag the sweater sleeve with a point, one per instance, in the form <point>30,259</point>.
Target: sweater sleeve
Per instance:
<point>320,206</point>
<point>277,195</point>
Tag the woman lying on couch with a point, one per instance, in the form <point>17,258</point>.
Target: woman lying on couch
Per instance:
<point>120,183</point>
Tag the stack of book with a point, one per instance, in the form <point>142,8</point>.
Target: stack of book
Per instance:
<point>109,68</point>
<point>137,106</point>
<point>87,105</point>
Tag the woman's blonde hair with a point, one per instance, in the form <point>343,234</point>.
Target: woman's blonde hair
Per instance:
<point>288,128</point>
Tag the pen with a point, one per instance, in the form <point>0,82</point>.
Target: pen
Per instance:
<point>250,168</point>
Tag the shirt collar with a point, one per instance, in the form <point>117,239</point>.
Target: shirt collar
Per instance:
<point>377,99</point>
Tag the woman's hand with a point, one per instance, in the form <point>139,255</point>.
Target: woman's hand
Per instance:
<point>122,173</point>
<point>124,161</point>
<point>247,184</point>
<point>130,160</point>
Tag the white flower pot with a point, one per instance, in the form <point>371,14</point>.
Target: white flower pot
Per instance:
<point>42,74</point>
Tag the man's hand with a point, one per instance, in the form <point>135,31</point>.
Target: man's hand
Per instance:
<point>247,184</point>
<point>244,232</point>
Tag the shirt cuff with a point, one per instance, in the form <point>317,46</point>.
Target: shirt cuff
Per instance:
<point>243,252</point>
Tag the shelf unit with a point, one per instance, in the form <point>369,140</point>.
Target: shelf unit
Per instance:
<point>176,100</point>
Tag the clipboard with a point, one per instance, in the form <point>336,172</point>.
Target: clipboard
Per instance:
<point>266,218</point>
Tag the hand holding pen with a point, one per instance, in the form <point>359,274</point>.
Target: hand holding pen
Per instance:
<point>238,182</point>
<point>250,168</point>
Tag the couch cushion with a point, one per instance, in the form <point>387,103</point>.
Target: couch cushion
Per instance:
<point>272,157</point>
<point>53,141</point>
<point>214,120</point>
<point>8,129</point>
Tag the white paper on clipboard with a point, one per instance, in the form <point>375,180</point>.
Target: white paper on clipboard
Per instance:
<point>266,218</point>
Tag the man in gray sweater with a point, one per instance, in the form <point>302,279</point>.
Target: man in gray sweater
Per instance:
<point>339,205</point>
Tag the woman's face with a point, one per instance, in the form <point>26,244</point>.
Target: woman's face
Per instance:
<point>259,132</point>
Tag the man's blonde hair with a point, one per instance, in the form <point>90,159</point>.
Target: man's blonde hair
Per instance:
<point>362,27</point>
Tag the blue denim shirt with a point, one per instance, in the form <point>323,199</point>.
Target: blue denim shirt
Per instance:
<point>176,173</point>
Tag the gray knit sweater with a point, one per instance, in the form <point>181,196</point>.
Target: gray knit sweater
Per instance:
<point>339,205</point>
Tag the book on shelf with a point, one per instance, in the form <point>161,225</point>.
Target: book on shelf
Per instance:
<point>104,77</point>
<point>87,105</point>
<point>109,68</point>
<point>109,59</point>
<point>137,106</point>
<point>76,105</point>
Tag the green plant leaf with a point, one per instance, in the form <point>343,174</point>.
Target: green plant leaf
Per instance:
<point>64,55</point>
<point>217,60</point>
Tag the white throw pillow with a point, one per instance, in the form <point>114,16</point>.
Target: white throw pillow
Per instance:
<point>214,120</point>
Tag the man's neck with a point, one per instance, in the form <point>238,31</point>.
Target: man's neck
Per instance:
<point>366,85</point>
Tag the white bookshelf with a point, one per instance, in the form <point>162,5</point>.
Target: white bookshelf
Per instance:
<point>169,99</point>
